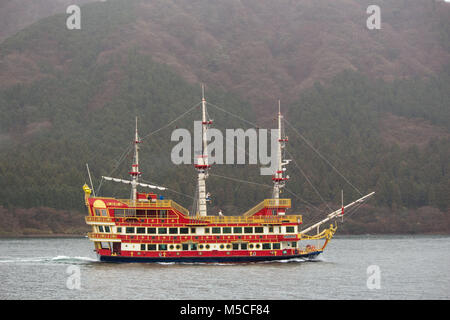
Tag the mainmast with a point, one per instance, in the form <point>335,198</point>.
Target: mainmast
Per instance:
<point>135,166</point>
<point>202,165</point>
<point>279,180</point>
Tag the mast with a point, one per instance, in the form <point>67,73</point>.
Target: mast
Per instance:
<point>337,213</point>
<point>279,180</point>
<point>135,166</point>
<point>202,165</point>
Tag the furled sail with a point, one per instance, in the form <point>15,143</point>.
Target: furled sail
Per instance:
<point>138,183</point>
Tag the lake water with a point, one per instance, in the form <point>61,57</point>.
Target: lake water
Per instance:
<point>357,267</point>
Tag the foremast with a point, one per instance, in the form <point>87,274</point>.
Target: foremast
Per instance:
<point>279,179</point>
<point>202,164</point>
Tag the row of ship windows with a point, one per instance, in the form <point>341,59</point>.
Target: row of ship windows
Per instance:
<point>195,246</point>
<point>162,214</point>
<point>213,230</point>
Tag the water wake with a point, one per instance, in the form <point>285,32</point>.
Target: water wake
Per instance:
<point>57,259</point>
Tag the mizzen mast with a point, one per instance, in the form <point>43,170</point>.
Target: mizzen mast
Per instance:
<point>279,180</point>
<point>134,173</point>
<point>202,164</point>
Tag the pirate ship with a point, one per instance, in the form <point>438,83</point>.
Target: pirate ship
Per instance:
<point>150,228</point>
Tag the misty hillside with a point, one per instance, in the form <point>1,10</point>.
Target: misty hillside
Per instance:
<point>18,14</point>
<point>374,102</point>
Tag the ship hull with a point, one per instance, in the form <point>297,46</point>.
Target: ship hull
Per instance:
<point>220,259</point>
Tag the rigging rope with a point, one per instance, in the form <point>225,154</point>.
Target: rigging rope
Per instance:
<point>169,189</point>
<point>171,122</point>
<point>309,144</point>
<point>307,179</point>
<point>239,180</point>
<point>321,156</point>
<point>233,115</point>
<point>130,147</point>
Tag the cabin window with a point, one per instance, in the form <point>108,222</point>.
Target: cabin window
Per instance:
<point>251,246</point>
<point>107,229</point>
<point>184,231</point>
<point>200,246</point>
<point>215,230</point>
<point>171,247</point>
<point>193,246</point>
<point>276,246</point>
<point>119,229</point>
<point>129,230</point>
<point>206,230</point>
<point>162,214</point>
<point>152,213</point>
<point>173,230</point>
<point>104,213</point>
<point>258,229</point>
<point>237,230</point>
<point>142,246</point>
<point>257,246</point>
<point>290,229</point>
<point>266,246</point>
<point>151,247</point>
<point>100,228</point>
<point>248,229</point>
<point>226,230</point>
<point>274,212</point>
<point>207,246</point>
<point>119,213</point>
<point>140,230</point>
<point>151,230</point>
<point>235,246</point>
<point>192,230</point>
<point>185,246</point>
<point>178,247</point>
<point>104,245</point>
<point>141,213</point>
<point>222,246</point>
<point>162,247</point>
<point>162,230</point>
<point>294,244</point>
<point>228,246</point>
<point>243,246</point>
<point>97,212</point>
<point>271,229</point>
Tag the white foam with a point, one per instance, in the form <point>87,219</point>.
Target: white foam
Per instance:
<point>63,259</point>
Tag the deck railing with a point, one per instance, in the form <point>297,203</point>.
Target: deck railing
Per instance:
<point>168,204</point>
<point>99,219</point>
<point>102,235</point>
<point>247,217</point>
<point>269,203</point>
<point>248,220</point>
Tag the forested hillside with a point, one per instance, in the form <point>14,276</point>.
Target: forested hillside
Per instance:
<point>68,98</point>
